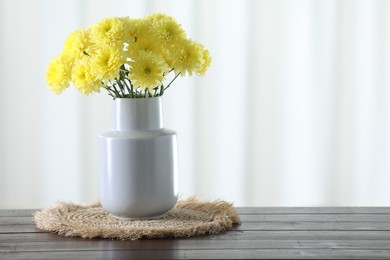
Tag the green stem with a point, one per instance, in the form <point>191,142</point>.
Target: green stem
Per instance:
<point>161,90</point>
<point>177,75</point>
<point>110,92</point>
<point>128,89</point>
<point>115,90</point>
<point>121,88</point>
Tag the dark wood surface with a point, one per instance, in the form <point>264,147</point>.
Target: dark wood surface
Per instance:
<point>265,233</point>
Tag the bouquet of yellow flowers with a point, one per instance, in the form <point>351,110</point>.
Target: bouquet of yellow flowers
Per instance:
<point>129,57</point>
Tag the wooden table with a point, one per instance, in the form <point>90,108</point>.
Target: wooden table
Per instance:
<point>265,233</point>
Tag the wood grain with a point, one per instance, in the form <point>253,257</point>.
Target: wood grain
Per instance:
<point>265,233</point>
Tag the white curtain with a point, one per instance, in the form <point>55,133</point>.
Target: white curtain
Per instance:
<point>294,111</point>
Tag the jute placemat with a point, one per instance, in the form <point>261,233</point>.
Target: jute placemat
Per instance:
<point>188,218</point>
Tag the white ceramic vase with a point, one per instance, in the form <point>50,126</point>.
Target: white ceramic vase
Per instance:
<point>138,166</point>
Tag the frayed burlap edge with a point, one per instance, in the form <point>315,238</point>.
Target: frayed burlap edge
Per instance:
<point>188,218</point>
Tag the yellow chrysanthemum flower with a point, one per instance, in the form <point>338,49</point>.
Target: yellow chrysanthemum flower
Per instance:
<point>77,44</point>
<point>143,31</point>
<point>155,17</point>
<point>166,29</point>
<point>143,45</point>
<point>187,58</point>
<point>84,79</point>
<point>109,31</point>
<point>58,73</point>
<point>206,62</point>
<point>144,40</point>
<point>145,49</point>
<point>107,62</point>
<point>147,70</point>
<point>130,29</point>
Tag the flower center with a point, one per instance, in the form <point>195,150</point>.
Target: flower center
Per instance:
<point>147,71</point>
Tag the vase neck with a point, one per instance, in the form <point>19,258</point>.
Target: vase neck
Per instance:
<point>137,114</point>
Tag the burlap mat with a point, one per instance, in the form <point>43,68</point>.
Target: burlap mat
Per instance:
<point>188,218</point>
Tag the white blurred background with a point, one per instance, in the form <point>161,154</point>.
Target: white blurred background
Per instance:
<point>294,111</point>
